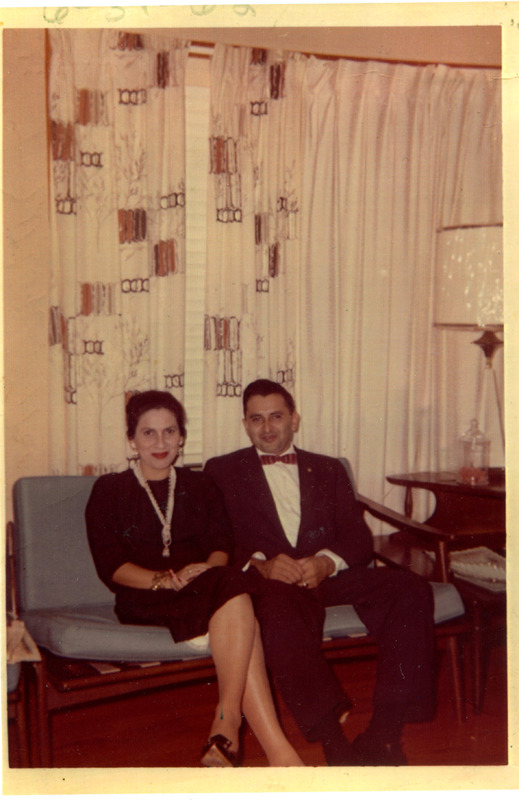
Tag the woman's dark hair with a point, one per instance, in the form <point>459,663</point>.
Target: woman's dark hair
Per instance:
<point>140,403</point>
<point>264,387</point>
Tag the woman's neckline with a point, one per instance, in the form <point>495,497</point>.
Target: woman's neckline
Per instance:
<point>158,480</point>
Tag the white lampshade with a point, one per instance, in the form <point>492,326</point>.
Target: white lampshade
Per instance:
<point>469,277</point>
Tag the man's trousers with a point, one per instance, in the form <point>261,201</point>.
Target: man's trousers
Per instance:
<point>397,609</point>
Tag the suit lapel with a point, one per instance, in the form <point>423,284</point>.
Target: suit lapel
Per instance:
<point>304,462</point>
<point>258,491</point>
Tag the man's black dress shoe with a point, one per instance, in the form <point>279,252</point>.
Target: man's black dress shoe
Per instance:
<point>340,753</point>
<point>373,753</point>
<point>217,753</point>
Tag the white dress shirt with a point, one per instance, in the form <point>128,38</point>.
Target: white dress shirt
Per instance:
<point>283,480</point>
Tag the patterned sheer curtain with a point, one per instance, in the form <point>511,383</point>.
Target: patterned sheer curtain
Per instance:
<point>116,109</point>
<point>381,155</point>
<point>253,232</point>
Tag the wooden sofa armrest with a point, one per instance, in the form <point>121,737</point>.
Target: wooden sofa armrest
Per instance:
<point>437,539</point>
<point>12,595</point>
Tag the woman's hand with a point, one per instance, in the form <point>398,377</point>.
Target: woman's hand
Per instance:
<point>187,574</point>
<point>181,578</point>
<point>137,577</point>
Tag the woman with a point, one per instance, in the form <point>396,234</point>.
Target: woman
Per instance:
<point>161,540</point>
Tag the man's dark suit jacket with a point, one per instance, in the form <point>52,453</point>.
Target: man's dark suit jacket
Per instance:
<point>330,515</point>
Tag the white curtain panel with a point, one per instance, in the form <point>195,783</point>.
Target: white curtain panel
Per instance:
<point>391,153</point>
<point>116,120</point>
<point>388,154</point>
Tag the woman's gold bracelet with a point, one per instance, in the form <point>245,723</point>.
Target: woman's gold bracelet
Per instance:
<point>160,580</point>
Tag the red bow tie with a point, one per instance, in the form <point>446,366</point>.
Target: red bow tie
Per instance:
<point>289,458</point>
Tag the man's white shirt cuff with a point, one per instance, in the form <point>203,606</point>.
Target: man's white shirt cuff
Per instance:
<point>258,556</point>
<point>339,562</point>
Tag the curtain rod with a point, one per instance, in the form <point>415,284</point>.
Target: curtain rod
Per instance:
<point>469,226</point>
<point>327,57</point>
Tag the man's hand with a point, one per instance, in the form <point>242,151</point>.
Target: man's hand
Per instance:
<point>280,568</point>
<point>315,569</point>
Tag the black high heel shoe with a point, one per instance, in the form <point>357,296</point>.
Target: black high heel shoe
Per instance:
<point>217,753</point>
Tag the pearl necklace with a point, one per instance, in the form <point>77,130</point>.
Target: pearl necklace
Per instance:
<point>166,520</point>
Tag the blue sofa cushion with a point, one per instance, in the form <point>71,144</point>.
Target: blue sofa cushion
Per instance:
<point>447,602</point>
<point>53,560</point>
<point>344,620</point>
<point>13,676</point>
<point>93,632</point>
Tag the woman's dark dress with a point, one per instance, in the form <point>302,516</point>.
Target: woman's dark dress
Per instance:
<point>122,526</point>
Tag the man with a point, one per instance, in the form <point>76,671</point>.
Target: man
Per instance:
<point>297,523</point>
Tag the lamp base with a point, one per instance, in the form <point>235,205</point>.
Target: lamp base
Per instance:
<point>489,343</point>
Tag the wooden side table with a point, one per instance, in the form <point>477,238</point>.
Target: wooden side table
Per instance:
<point>469,516</point>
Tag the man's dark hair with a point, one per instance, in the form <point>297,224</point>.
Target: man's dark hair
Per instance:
<point>264,387</point>
<point>140,403</point>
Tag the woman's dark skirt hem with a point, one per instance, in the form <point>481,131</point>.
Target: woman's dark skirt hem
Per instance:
<point>186,613</point>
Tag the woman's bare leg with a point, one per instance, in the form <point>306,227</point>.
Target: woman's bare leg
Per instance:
<point>260,712</point>
<point>231,635</point>
<point>242,682</point>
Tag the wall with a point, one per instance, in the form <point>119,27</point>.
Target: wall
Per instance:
<point>26,257</point>
<point>477,45</point>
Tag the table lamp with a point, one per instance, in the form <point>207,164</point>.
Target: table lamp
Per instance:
<point>469,287</point>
